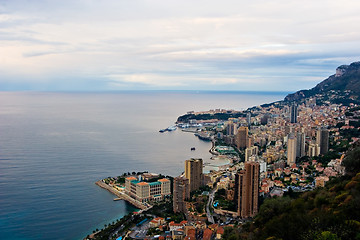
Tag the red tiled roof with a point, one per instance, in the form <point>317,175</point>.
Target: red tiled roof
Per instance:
<point>131,178</point>
<point>164,180</point>
<point>207,234</point>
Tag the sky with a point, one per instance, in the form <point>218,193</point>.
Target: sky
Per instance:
<point>110,45</point>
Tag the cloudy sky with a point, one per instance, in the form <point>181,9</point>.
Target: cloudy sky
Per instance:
<point>258,45</point>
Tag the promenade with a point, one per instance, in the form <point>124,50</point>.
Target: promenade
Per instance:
<point>121,195</point>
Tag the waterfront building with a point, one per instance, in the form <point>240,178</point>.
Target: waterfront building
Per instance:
<point>147,191</point>
<point>194,172</point>
<point>293,113</point>
<point>241,138</point>
<point>246,194</point>
<point>291,149</point>
<point>322,140</point>
<point>180,194</point>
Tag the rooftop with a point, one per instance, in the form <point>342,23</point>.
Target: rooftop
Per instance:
<point>131,178</point>
<point>154,183</point>
<point>142,183</point>
<point>164,180</point>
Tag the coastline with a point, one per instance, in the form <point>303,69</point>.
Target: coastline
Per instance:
<point>122,196</point>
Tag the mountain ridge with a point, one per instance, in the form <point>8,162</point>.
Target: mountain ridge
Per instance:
<point>346,78</point>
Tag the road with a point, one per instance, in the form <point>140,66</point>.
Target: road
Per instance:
<point>210,203</point>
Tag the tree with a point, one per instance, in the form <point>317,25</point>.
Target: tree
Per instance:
<point>352,161</point>
<point>326,235</point>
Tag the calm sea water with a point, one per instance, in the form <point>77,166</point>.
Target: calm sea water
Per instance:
<point>54,146</point>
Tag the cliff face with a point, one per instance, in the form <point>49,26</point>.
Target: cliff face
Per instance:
<point>347,77</point>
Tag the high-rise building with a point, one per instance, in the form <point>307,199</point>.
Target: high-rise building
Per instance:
<point>293,113</point>
<point>246,195</point>
<point>180,194</point>
<point>265,119</point>
<point>194,172</point>
<point>291,149</point>
<point>251,151</point>
<point>241,138</point>
<point>248,118</point>
<point>231,129</point>
<point>322,140</point>
<point>300,144</point>
<point>314,150</point>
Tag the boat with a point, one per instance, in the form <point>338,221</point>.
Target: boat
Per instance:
<point>172,128</point>
<point>193,149</point>
<point>163,130</point>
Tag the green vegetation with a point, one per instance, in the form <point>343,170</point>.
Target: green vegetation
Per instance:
<point>327,157</point>
<point>325,213</point>
<point>153,231</point>
<point>164,209</point>
<point>352,161</point>
<point>207,116</point>
<point>122,224</point>
<point>220,197</point>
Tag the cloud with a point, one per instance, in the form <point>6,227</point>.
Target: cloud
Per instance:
<point>177,44</point>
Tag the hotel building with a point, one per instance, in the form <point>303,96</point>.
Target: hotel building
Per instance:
<point>147,191</point>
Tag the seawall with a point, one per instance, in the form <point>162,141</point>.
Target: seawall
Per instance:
<point>121,195</point>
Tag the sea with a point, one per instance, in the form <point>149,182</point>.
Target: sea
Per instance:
<point>54,146</point>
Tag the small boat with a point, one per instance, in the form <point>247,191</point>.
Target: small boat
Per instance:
<point>172,128</point>
<point>192,149</point>
<point>163,130</point>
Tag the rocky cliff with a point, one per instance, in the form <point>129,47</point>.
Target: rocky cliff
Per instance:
<point>347,77</point>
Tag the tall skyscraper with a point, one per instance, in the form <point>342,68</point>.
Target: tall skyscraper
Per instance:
<point>194,172</point>
<point>322,140</point>
<point>247,190</point>
<point>300,144</point>
<point>180,194</point>
<point>293,113</point>
<point>265,119</point>
<point>231,129</point>
<point>291,149</point>
<point>241,138</point>
<point>248,118</point>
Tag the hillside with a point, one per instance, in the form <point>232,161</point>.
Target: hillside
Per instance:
<point>325,213</point>
<point>347,78</point>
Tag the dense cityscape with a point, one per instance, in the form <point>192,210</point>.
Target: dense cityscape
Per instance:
<point>274,150</point>
<point>185,120</point>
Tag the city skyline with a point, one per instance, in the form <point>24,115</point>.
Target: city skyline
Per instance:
<point>171,45</point>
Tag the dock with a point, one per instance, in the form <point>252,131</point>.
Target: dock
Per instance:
<point>121,196</point>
